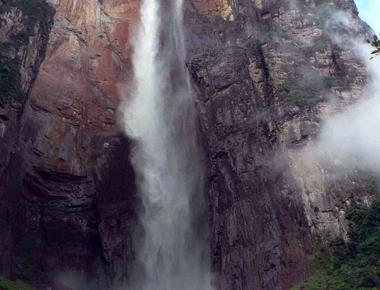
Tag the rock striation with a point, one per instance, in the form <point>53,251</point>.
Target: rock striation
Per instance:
<point>69,187</point>
<point>263,73</point>
<point>24,32</point>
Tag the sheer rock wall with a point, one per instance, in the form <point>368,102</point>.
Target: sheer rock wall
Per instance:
<point>262,73</point>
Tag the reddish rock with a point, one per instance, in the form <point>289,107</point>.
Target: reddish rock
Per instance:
<point>75,194</point>
<point>67,186</point>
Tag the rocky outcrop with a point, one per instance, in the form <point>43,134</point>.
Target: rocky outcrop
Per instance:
<point>262,74</point>
<point>73,182</point>
<point>77,161</point>
<point>23,39</point>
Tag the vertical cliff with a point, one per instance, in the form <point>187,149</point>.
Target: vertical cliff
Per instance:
<point>24,32</point>
<point>67,194</point>
<point>263,74</point>
<point>77,172</point>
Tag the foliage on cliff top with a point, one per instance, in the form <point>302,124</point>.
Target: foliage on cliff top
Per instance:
<point>354,264</point>
<point>376,45</point>
<point>6,284</point>
<point>36,9</point>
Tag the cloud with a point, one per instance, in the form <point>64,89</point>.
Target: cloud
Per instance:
<point>369,11</point>
<point>352,137</point>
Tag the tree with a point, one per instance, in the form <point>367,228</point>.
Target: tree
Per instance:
<point>376,45</point>
<point>353,264</point>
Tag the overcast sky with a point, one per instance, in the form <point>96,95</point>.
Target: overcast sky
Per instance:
<point>369,11</point>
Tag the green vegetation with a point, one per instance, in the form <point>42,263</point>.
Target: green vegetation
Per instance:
<point>6,284</point>
<point>376,45</point>
<point>32,8</point>
<point>9,82</point>
<point>34,11</point>
<point>364,182</point>
<point>295,93</point>
<point>354,264</point>
<point>310,88</point>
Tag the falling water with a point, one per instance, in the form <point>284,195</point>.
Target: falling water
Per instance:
<point>160,117</point>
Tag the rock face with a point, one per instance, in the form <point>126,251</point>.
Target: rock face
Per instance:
<point>23,39</point>
<point>75,185</point>
<point>77,161</point>
<point>262,72</point>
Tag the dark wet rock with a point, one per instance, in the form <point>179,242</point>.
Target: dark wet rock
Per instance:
<point>263,73</point>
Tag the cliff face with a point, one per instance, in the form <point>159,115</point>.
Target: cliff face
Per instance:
<point>261,71</point>
<point>77,170</point>
<point>24,34</point>
<point>75,185</point>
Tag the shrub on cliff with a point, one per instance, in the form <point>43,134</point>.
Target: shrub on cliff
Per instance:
<point>354,264</point>
<point>6,284</point>
<point>376,45</point>
<point>9,82</point>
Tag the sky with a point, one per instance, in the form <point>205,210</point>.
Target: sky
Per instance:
<point>369,11</point>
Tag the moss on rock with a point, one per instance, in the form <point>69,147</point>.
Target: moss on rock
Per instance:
<point>354,264</point>
<point>6,284</point>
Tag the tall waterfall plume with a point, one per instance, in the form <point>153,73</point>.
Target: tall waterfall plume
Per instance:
<point>160,118</point>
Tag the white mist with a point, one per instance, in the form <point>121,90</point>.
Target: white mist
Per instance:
<point>160,118</point>
<point>351,137</point>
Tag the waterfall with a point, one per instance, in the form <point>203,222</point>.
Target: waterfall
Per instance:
<point>159,116</point>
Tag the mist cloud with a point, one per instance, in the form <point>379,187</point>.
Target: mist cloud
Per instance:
<point>352,137</point>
